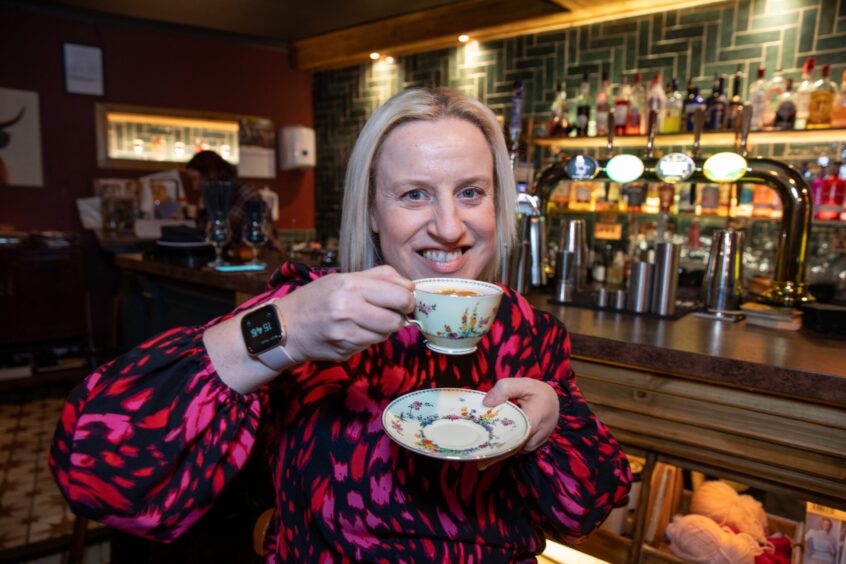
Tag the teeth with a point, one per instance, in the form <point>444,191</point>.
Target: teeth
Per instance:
<point>441,256</point>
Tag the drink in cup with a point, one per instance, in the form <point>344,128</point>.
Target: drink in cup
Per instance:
<point>454,313</point>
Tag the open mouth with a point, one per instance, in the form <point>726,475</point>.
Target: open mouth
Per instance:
<point>438,255</point>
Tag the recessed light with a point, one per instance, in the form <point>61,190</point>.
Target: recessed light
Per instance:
<point>389,60</point>
<point>464,38</point>
<point>374,55</point>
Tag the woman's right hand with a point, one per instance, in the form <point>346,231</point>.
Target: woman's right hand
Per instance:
<point>338,315</point>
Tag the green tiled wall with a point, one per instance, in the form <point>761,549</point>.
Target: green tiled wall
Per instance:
<point>688,43</point>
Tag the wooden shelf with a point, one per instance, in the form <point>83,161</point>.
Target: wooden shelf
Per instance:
<point>718,139</point>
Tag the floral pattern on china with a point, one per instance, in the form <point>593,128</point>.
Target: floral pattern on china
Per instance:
<point>472,327</point>
<point>452,423</point>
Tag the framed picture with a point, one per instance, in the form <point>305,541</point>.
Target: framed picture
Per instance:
<point>83,69</point>
<point>825,535</point>
<point>20,138</point>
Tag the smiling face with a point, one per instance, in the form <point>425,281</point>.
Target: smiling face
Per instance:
<point>433,208</point>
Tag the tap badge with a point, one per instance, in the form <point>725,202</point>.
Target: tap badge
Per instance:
<point>724,167</point>
<point>624,168</point>
<point>675,167</point>
<point>582,167</point>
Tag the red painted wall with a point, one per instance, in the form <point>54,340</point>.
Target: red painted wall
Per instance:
<point>143,67</point>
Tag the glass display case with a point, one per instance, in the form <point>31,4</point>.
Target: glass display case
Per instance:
<point>144,138</point>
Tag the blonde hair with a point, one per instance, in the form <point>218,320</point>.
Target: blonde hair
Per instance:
<point>358,245</point>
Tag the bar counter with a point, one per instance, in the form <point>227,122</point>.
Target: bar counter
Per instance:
<point>796,364</point>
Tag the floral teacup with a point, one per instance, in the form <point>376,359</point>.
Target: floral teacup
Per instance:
<point>454,313</point>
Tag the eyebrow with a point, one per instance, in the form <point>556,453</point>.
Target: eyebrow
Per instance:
<point>461,182</point>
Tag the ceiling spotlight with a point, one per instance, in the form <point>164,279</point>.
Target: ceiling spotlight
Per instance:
<point>389,60</point>
<point>464,38</point>
<point>374,55</point>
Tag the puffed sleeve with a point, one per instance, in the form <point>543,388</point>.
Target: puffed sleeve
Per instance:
<point>581,473</point>
<point>147,441</point>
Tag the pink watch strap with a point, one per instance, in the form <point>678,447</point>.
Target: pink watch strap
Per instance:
<point>276,358</point>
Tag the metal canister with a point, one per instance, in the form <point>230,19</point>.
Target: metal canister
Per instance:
<point>666,281</point>
<point>640,287</point>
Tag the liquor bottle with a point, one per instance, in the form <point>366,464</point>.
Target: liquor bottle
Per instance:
<point>786,112</point>
<point>831,197</point>
<point>758,101</point>
<point>581,196</point>
<point>652,201</point>
<point>715,106</point>
<point>687,198</point>
<point>666,197</point>
<point>838,111</point>
<point>735,105</point>
<point>822,101</point>
<point>583,108</point>
<point>655,101</point>
<point>775,88</point>
<point>710,202</point>
<point>762,200</point>
<point>803,93</point>
<point>635,194</point>
<point>621,107</point>
<point>692,106</point>
<point>603,106</point>
<point>744,201</point>
<point>559,118</point>
<point>671,122</point>
<point>635,122</point>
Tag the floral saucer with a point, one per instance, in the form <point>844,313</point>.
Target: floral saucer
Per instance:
<point>452,423</point>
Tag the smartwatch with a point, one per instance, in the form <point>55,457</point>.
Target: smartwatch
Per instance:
<point>264,335</point>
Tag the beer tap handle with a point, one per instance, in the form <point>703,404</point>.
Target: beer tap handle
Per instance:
<point>650,132</point>
<point>745,126</point>
<point>610,134</point>
<point>698,125</point>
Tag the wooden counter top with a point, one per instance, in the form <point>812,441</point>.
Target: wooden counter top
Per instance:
<point>801,363</point>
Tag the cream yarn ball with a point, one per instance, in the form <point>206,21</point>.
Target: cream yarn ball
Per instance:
<point>721,502</point>
<point>698,539</point>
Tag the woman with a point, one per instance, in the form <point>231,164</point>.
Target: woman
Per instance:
<point>149,440</point>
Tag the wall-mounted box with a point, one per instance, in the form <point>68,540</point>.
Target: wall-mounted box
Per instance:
<point>296,147</point>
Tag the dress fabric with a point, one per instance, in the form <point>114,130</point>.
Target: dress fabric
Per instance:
<point>149,439</point>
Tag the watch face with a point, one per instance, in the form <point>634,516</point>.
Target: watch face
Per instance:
<point>261,329</point>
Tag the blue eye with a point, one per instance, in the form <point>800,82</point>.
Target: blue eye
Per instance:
<point>470,193</point>
<point>414,195</point>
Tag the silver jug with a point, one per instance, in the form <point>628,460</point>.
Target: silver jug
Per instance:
<point>722,288</point>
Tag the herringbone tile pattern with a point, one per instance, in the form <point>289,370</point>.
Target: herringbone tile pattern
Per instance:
<point>687,43</point>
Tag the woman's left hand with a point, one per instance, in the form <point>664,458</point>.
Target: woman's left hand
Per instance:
<point>537,399</point>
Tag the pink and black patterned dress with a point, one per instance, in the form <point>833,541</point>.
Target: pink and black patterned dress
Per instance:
<point>148,441</point>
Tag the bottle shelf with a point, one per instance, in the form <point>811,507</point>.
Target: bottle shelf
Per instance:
<point>715,139</point>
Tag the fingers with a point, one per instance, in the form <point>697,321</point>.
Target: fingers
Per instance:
<point>505,389</point>
<point>388,274</point>
<point>536,398</point>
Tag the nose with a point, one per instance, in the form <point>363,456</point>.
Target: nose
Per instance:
<point>447,223</point>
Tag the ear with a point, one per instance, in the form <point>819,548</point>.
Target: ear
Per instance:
<point>374,224</point>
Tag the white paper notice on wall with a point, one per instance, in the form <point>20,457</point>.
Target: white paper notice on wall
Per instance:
<point>20,139</point>
<point>83,69</point>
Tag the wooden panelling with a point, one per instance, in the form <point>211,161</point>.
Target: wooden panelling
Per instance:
<point>827,417</point>
<point>792,446</point>
<point>705,414</point>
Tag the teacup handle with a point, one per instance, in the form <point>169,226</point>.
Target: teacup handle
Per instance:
<point>409,321</point>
